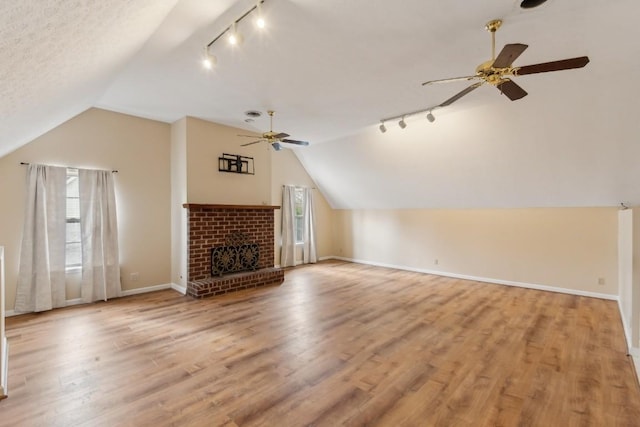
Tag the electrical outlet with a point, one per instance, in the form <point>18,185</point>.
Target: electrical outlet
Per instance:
<point>135,277</point>
<point>435,261</point>
<point>601,281</point>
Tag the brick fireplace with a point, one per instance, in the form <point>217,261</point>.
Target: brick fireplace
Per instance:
<point>210,226</point>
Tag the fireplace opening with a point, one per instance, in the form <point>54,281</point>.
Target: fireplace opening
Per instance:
<point>237,254</point>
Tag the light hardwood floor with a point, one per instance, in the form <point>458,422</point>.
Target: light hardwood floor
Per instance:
<point>335,344</point>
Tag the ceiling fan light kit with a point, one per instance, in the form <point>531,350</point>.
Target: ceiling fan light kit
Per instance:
<point>234,37</point>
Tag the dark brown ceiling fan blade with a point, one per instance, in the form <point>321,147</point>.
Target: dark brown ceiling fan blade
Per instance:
<point>251,143</point>
<point>280,135</point>
<point>460,94</point>
<point>250,136</point>
<point>511,90</point>
<point>508,54</point>
<point>293,141</point>
<point>563,64</point>
<point>276,146</point>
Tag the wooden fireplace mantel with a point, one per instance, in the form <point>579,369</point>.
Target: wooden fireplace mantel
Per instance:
<point>204,206</point>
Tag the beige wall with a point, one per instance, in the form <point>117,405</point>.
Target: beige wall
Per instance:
<point>287,170</point>
<point>100,139</point>
<point>568,248</point>
<point>206,142</point>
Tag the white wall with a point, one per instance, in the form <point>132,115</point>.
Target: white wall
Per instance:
<point>625,268</point>
<point>629,272</point>
<point>4,351</point>
<point>635,286</point>
<point>178,198</point>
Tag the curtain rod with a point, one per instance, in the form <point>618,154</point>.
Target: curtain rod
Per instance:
<point>69,167</point>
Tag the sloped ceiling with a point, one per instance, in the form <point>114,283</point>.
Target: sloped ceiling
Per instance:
<point>333,69</point>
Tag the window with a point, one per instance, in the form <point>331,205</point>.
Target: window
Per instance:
<point>73,241</point>
<point>299,215</point>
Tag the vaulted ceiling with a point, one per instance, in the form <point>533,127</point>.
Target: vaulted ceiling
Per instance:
<point>332,69</point>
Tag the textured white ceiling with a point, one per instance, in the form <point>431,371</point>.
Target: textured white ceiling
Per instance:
<point>331,69</point>
<point>59,56</point>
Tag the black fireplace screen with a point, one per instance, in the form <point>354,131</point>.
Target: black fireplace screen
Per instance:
<point>236,255</point>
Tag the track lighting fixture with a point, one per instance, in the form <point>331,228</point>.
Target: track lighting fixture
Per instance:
<point>431,117</point>
<point>402,123</point>
<point>233,36</point>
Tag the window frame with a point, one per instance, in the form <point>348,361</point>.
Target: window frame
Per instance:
<point>71,175</point>
<point>299,217</point>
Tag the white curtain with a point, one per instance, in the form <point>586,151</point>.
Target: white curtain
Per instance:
<point>41,277</point>
<point>288,231</point>
<point>288,250</point>
<point>99,234</point>
<point>309,228</point>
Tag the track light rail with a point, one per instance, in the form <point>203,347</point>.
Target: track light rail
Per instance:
<point>402,123</point>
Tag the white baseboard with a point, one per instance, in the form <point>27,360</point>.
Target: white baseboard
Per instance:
<point>483,279</point>
<point>144,290</point>
<point>626,328</point>
<point>179,288</point>
<point>635,355</point>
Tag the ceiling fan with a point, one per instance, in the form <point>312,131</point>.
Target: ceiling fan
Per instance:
<point>499,71</point>
<point>274,138</point>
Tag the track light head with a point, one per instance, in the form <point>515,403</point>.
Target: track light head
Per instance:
<point>208,60</point>
<point>260,22</point>
<point>383,128</point>
<point>431,117</point>
<point>402,123</point>
<point>234,37</point>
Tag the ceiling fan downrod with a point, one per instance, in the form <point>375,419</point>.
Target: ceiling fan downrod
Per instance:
<point>492,26</point>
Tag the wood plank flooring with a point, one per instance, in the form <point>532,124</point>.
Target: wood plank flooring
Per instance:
<point>335,344</point>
